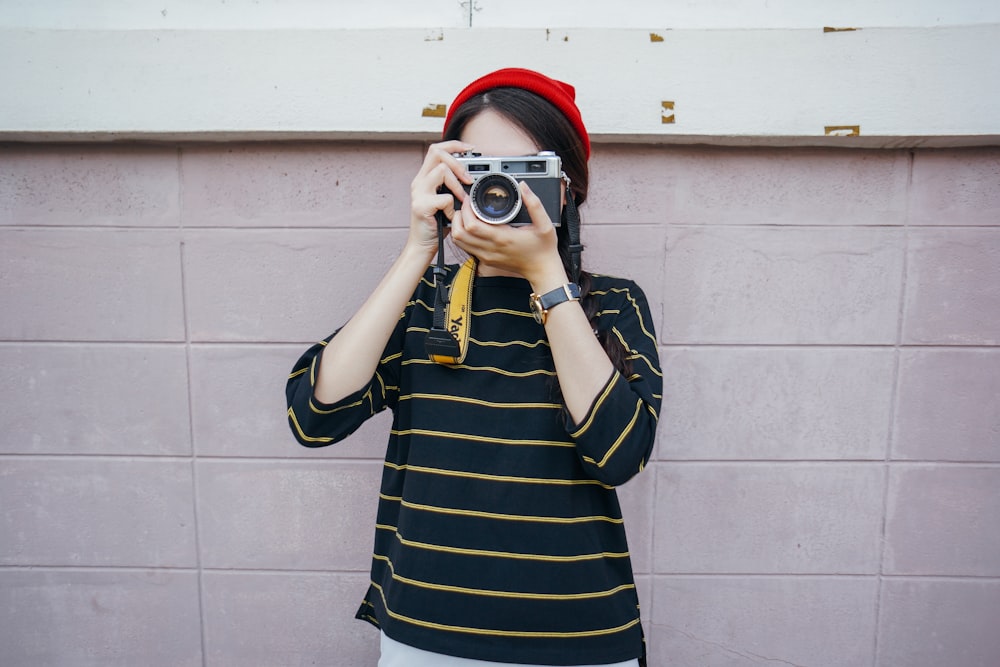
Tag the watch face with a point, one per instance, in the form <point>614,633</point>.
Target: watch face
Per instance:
<point>537,310</point>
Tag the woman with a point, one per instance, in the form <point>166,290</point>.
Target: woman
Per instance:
<point>499,536</point>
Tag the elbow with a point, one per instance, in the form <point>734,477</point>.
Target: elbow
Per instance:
<point>311,444</point>
<point>622,466</point>
<point>303,431</point>
<point>315,442</point>
<point>615,475</point>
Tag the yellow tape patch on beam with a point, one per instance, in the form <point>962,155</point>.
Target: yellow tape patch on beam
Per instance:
<point>667,112</point>
<point>842,130</point>
<point>435,111</point>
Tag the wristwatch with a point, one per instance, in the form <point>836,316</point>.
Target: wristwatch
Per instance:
<point>541,305</point>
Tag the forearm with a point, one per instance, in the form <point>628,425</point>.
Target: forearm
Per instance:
<point>582,365</point>
<point>350,359</point>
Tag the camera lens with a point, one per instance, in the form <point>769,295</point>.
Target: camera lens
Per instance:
<point>495,199</point>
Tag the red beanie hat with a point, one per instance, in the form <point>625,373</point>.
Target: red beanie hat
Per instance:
<point>561,95</point>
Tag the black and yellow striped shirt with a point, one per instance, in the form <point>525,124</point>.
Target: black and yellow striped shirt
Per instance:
<point>499,534</point>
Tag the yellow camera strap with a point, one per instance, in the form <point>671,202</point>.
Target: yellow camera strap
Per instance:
<point>448,340</point>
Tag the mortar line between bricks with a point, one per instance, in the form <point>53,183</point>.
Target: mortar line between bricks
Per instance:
<point>824,575</point>
<point>893,405</point>
<point>183,458</point>
<point>396,229</point>
<point>116,343</point>
<point>98,568</point>
<point>825,462</point>
<point>363,573</point>
<point>77,456</point>
<point>329,460</point>
<point>654,466</point>
<point>339,460</point>
<point>759,575</point>
<point>190,402</point>
<point>660,575</point>
<point>940,347</point>
<point>181,570</point>
<point>97,228</point>
<point>833,346</point>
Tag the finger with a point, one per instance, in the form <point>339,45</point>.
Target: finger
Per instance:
<point>432,161</point>
<point>457,167</point>
<point>470,229</point>
<point>440,180</point>
<point>470,223</point>
<point>478,226</point>
<point>457,228</point>
<point>446,204</point>
<point>536,210</point>
<point>427,205</point>
<point>452,146</point>
<point>443,152</point>
<point>453,184</point>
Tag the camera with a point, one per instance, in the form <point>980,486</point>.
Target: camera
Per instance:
<point>494,194</point>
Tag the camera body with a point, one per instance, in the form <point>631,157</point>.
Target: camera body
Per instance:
<point>494,194</point>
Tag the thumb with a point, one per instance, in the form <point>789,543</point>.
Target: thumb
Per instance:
<point>536,210</point>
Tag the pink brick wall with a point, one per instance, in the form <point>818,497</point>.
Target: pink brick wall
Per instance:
<point>826,488</point>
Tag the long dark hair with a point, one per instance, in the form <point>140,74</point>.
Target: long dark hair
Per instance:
<point>550,130</point>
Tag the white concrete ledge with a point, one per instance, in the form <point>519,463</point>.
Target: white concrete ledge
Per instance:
<point>893,87</point>
<point>869,141</point>
<point>352,14</point>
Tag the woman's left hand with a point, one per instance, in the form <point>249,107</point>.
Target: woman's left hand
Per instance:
<point>530,251</point>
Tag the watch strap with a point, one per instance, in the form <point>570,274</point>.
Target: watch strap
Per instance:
<point>540,305</point>
<point>568,292</point>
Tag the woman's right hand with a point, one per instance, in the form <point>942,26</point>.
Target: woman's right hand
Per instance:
<point>350,359</point>
<point>440,167</point>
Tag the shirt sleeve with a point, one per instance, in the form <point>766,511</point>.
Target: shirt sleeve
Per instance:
<point>615,438</point>
<point>318,424</point>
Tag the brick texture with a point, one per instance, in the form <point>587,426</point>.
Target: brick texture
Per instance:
<point>777,403</point>
<point>953,287</point>
<point>110,399</point>
<point>90,511</point>
<point>753,285</point>
<point>743,621</point>
<point>118,618</point>
<point>929,622</point>
<point>94,284</point>
<point>824,489</point>
<point>300,609</point>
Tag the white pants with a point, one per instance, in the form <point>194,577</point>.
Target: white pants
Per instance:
<point>395,654</point>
